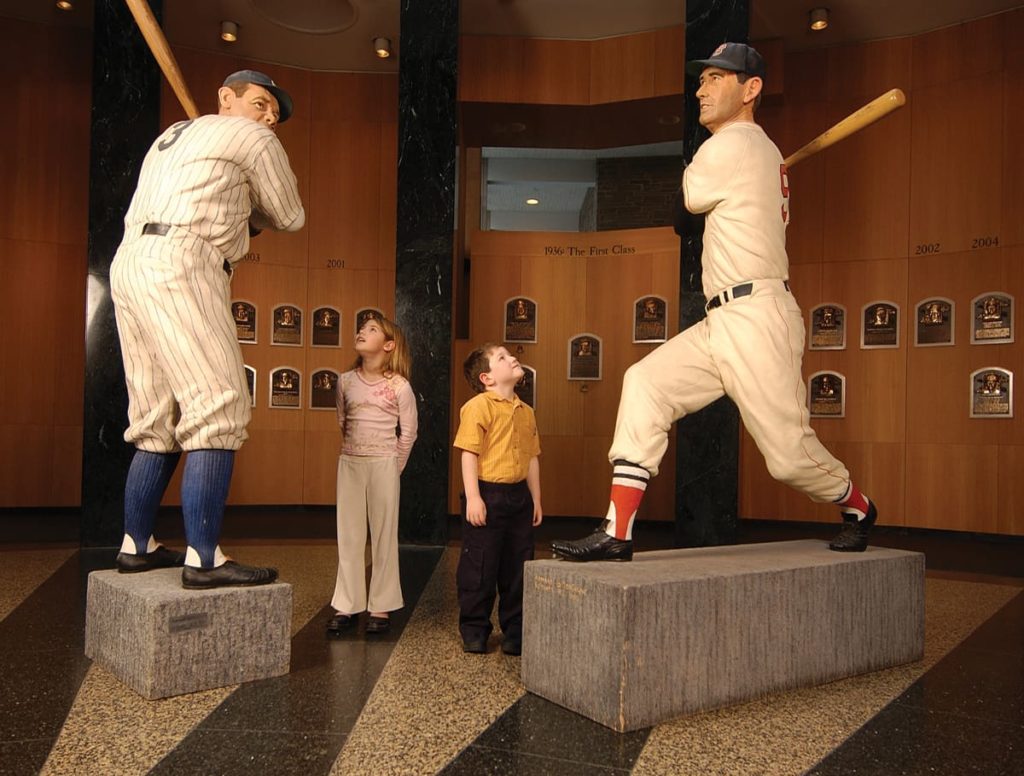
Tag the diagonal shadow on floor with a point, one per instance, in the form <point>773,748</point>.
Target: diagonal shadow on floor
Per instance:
<point>297,724</point>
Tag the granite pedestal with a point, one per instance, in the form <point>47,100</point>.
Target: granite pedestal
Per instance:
<point>162,640</point>
<point>680,631</point>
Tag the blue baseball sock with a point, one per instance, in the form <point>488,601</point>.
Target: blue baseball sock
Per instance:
<point>204,490</point>
<point>148,476</point>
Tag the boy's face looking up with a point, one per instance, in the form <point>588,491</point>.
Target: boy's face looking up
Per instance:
<point>504,369</point>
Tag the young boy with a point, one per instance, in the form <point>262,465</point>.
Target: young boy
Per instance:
<point>501,476</point>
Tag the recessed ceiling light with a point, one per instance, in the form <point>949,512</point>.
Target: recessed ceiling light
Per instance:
<point>533,201</point>
<point>819,19</point>
<point>65,5</point>
<point>382,47</point>
<point>228,32</point>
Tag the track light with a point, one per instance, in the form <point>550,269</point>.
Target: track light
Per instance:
<point>819,18</point>
<point>382,47</point>
<point>228,31</point>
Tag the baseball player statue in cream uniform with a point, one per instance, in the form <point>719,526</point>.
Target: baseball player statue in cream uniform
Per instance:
<point>205,185</point>
<point>750,346</point>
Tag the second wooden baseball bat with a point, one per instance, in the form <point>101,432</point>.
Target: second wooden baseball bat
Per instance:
<point>876,109</point>
<point>162,52</point>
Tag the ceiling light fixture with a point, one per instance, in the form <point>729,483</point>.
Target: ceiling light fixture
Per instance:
<point>228,31</point>
<point>65,5</point>
<point>382,47</point>
<point>533,201</point>
<point>819,19</point>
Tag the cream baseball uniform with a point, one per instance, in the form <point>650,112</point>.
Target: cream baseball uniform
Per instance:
<point>201,182</point>
<point>749,347</point>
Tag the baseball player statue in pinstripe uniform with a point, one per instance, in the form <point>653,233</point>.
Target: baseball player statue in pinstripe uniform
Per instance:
<point>205,185</point>
<point>750,345</point>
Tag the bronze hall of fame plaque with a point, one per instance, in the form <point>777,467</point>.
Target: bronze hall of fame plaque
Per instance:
<point>585,357</point>
<point>520,319</point>
<point>285,387</point>
<point>526,388</point>
<point>992,319</point>
<point>323,385</point>
<point>992,393</point>
<point>326,327</point>
<point>287,325</point>
<point>244,314</point>
<point>650,319</point>
<point>880,325</point>
<point>826,395</point>
<point>934,322</point>
<point>250,383</point>
<point>367,312</point>
<point>828,327</point>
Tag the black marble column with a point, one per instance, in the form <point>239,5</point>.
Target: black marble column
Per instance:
<point>125,119</point>
<point>425,242</point>
<point>707,443</point>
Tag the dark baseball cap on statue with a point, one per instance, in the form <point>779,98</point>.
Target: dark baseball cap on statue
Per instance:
<point>737,57</point>
<point>284,101</point>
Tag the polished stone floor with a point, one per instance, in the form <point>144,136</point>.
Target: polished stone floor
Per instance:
<point>411,702</point>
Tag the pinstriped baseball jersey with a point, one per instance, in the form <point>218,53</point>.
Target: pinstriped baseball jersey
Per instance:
<point>201,182</point>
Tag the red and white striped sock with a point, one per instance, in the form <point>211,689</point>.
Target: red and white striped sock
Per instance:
<point>854,502</point>
<point>629,482</point>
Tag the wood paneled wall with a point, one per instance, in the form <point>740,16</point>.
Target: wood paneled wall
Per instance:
<point>44,163</point>
<point>496,68</point>
<point>588,289</point>
<point>910,208</point>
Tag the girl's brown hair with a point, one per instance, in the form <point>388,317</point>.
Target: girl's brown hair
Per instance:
<point>397,360</point>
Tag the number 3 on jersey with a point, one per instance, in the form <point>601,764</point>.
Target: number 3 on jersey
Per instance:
<point>784,177</point>
<point>178,128</point>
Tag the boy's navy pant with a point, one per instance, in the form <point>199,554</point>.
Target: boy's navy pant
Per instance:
<point>492,560</point>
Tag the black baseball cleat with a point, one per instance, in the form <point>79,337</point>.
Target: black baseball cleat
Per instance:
<point>597,546</point>
<point>229,574</point>
<point>160,558</point>
<point>854,535</point>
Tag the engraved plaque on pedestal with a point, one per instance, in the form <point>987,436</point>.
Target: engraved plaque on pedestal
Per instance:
<point>992,393</point>
<point>826,395</point>
<point>323,385</point>
<point>880,325</point>
<point>326,327</point>
<point>828,327</point>
<point>650,319</point>
<point>244,314</point>
<point>992,320</point>
<point>585,357</point>
<point>934,322</point>
<point>285,387</point>
<point>287,328</point>
<point>520,319</point>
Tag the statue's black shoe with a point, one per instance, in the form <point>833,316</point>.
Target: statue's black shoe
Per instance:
<point>230,574</point>
<point>854,535</point>
<point>160,558</point>
<point>598,546</point>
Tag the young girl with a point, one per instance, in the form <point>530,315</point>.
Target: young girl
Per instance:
<point>377,415</point>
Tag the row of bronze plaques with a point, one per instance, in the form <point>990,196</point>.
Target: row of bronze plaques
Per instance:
<point>990,394</point>
<point>286,324</point>
<point>991,323</point>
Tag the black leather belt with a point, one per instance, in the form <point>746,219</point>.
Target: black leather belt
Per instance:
<point>743,289</point>
<point>161,230</point>
<point>156,229</point>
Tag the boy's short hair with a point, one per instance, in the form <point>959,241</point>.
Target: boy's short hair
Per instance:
<point>477,363</point>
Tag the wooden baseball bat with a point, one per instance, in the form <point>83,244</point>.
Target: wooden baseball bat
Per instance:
<point>878,108</point>
<point>162,52</point>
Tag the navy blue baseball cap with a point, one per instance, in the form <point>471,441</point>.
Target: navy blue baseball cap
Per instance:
<point>284,101</point>
<point>737,57</point>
